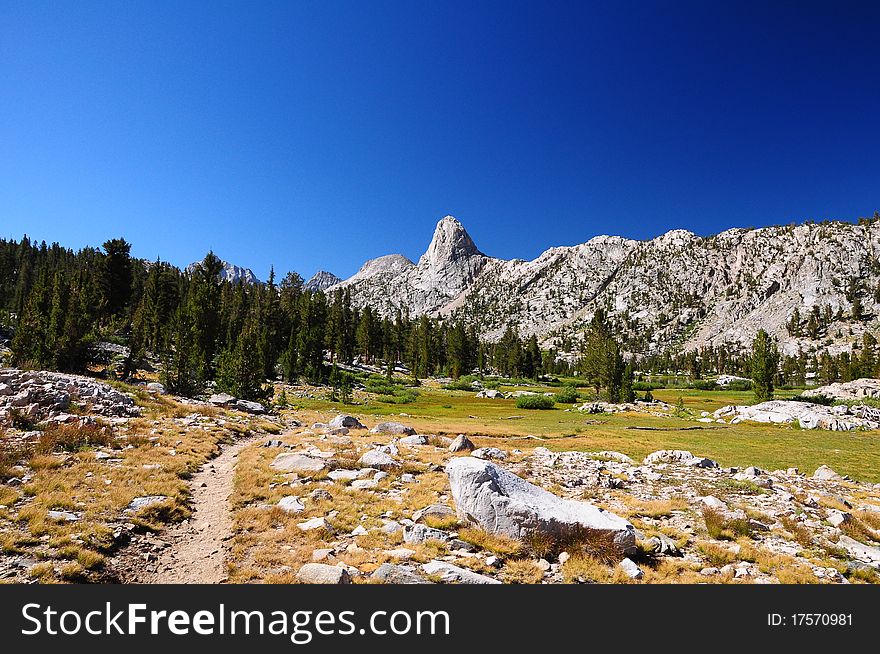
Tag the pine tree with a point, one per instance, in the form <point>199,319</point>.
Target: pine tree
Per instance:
<point>117,275</point>
<point>240,366</point>
<point>764,364</point>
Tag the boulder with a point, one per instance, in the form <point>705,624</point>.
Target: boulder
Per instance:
<point>221,399</point>
<point>378,460</point>
<point>301,464</point>
<point>461,444</point>
<point>315,523</point>
<point>347,421</point>
<point>291,504</point>
<point>155,387</point>
<point>449,573</point>
<point>139,503</point>
<point>389,573</point>
<point>417,439</point>
<point>500,502</point>
<point>394,428</point>
<point>630,569</point>
<point>669,456</point>
<point>825,473</point>
<point>250,407</point>
<point>321,573</point>
<point>415,534</point>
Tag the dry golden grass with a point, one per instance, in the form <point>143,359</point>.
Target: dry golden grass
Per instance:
<point>522,571</point>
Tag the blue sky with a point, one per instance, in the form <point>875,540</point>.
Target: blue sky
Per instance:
<point>319,134</point>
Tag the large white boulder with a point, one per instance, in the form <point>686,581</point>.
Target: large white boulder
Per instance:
<point>501,503</point>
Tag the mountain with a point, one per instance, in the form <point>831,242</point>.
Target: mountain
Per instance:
<point>678,291</point>
<point>231,273</point>
<point>321,280</point>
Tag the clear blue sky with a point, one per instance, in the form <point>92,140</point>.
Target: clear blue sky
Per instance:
<point>319,134</point>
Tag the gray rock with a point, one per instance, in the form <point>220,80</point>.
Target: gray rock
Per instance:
<point>669,456</point>
<point>461,444</point>
<point>364,484</point>
<point>398,574</point>
<point>349,475</point>
<point>827,474</point>
<point>139,503</point>
<point>395,428</point>
<point>489,453</point>
<point>662,545</point>
<point>291,504</point>
<point>838,518</point>
<point>378,460</point>
<point>320,495</point>
<point>156,387</point>
<point>315,523</point>
<point>63,516</point>
<point>250,407</point>
<point>415,534</point>
<point>321,573</point>
<point>630,568</point>
<point>417,439</point>
<point>221,399</point>
<point>347,421</point>
<point>502,503</point>
<point>302,464</point>
<point>449,573</point>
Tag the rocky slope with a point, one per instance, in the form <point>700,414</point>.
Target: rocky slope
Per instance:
<point>679,290</point>
<point>232,273</point>
<point>321,280</point>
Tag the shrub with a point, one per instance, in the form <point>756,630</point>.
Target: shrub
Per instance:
<point>534,402</point>
<point>739,385</point>
<point>568,395</point>
<point>704,385</point>
<point>818,399</point>
<point>69,438</point>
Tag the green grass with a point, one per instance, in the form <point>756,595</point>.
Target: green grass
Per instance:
<point>771,447</point>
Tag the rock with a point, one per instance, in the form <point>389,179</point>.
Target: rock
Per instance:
<point>347,421</point>
<point>489,453</point>
<point>321,573</point>
<point>433,511</point>
<point>63,516</point>
<point>415,534</point>
<point>395,428</point>
<point>490,393</point>
<point>360,530</point>
<point>701,462</point>
<point>301,464</point>
<point>449,573</point>
<point>630,569</point>
<point>291,504</point>
<point>221,399</point>
<point>397,574</point>
<point>364,484</point>
<point>668,456</point>
<point>315,523</point>
<point>320,495</point>
<point>321,554</point>
<point>400,553</point>
<point>391,527</point>
<point>662,545</point>
<point>250,407</point>
<point>156,387</point>
<point>825,473</point>
<point>139,503</point>
<point>418,439</point>
<point>563,557</point>
<point>502,503</point>
<point>378,460</point>
<point>714,503</point>
<point>838,518</point>
<point>461,444</point>
<point>543,565</point>
<point>349,475</point>
<point>273,442</point>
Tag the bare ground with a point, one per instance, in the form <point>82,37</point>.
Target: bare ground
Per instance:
<point>197,548</point>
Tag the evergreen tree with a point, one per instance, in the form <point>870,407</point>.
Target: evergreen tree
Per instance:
<point>117,275</point>
<point>764,364</point>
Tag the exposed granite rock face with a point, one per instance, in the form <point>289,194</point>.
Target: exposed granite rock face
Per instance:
<point>321,280</point>
<point>708,290</point>
<point>40,396</point>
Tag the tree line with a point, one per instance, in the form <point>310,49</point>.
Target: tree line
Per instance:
<point>199,329</point>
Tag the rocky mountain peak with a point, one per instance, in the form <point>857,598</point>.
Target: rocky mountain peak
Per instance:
<point>451,243</point>
<point>321,280</point>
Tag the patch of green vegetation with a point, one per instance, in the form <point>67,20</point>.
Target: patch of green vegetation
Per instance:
<point>534,402</point>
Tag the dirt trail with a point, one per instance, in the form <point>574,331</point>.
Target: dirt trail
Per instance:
<point>198,548</point>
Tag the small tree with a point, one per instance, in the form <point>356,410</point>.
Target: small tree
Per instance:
<point>765,361</point>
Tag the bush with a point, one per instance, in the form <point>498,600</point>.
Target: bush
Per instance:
<point>704,385</point>
<point>534,402</point>
<point>739,385</point>
<point>567,395</point>
<point>70,438</point>
<point>400,395</point>
<point>818,399</point>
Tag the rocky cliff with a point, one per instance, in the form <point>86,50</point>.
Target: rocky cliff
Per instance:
<point>676,291</point>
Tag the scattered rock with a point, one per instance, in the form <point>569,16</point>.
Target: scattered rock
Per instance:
<point>301,464</point>
<point>394,428</point>
<point>449,573</point>
<point>500,502</point>
<point>461,444</point>
<point>291,504</point>
<point>825,473</point>
<point>631,569</point>
<point>378,460</point>
<point>321,573</point>
<point>347,421</point>
<point>398,574</point>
